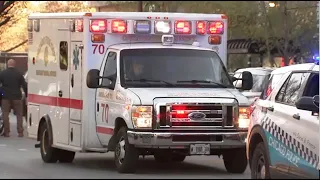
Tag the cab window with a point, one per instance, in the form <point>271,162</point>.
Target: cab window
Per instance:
<point>312,86</point>
<point>289,91</point>
<point>268,87</point>
<point>110,67</point>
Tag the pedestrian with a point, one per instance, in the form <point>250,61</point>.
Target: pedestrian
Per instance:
<point>12,81</point>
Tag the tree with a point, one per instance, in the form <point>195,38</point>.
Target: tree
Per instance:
<point>291,25</point>
<point>17,26</point>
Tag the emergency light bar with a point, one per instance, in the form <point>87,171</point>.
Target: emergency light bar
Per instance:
<point>98,26</point>
<point>215,27</point>
<point>182,27</point>
<point>119,26</point>
<point>142,27</point>
<point>162,27</point>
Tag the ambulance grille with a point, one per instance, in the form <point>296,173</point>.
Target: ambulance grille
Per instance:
<point>185,115</point>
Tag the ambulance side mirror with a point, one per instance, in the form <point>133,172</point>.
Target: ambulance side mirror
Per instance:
<point>93,78</point>
<point>247,80</point>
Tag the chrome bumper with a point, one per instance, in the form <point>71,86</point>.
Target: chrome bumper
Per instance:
<point>167,140</point>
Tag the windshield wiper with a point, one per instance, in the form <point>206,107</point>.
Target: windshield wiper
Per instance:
<point>150,80</point>
<point>203,81</point>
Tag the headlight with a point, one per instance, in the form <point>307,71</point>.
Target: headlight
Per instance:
<point>141,116</point>
<point>244,117</point>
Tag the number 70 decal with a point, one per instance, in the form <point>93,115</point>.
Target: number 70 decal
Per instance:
<point>105,112</point>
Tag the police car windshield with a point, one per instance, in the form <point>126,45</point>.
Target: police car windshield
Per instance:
<point>179,67</point>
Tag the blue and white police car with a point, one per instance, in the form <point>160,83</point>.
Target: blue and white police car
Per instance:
<point>283,135</point>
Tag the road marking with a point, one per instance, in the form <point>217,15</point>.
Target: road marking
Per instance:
<point>3,145</point>
<point>22,150</point>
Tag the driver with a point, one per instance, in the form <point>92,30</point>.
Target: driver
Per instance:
<point>136,72</point>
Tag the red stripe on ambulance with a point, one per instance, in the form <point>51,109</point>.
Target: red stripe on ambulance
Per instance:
<point>55,101</point>
<point>104,130</point>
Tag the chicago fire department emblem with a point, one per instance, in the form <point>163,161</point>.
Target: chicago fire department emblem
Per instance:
<point>47,51</point>
<point>76,57</point>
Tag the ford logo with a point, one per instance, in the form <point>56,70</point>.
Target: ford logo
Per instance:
<point>196,115</point>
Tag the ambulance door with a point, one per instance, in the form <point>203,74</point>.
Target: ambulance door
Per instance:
<point>106,106</point>
<point>75,78</point>
<point>63,88</point>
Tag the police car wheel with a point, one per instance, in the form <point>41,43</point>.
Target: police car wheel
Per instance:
<point>235,161</point>
<point>66,156</point>
<point>125,154</point>
<point>48,153</point>
<point>260,163</point>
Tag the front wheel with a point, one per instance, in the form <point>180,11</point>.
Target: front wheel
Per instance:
<point>49,154</point>
<point>235,161</point>
<point>260,163</point>
<point>125,154</point>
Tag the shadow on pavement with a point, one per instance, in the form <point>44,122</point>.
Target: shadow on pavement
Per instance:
<point>146,166</point>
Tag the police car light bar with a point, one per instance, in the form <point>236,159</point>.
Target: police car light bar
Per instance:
<point>142,27</point>
<point>316,59</point>
<point>167,40</point>
<point>162,27</point>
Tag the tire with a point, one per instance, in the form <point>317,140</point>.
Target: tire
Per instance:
<point>66,156</point>
<point>260,159</point>
<point>235,161</point>
<point>126,162</point>
<point>48,153</point>
<point>178,158</point>
<point>162,157</point>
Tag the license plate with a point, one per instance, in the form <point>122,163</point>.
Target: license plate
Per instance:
<point>199,149</point>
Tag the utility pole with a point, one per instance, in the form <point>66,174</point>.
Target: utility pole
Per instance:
<point>140,6</point>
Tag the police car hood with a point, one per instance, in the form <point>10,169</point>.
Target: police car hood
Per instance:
<point>147,95</point>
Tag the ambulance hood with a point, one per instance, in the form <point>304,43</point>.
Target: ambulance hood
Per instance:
<point>147,95</point>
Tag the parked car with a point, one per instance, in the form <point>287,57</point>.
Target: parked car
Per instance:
<point>260,77</point>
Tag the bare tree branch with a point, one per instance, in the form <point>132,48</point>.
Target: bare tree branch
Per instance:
<point>5,21</point>
<point>16,46</point>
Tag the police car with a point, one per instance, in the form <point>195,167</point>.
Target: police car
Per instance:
<point>283,135</point>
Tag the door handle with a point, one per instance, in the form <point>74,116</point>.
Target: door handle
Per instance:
<point>97,107</point>
<point>296,116</point>
<point>270,109</point>
<point>60,93</point>
<point>72,81</point>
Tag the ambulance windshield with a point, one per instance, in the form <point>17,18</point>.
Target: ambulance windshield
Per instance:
<point>162,67</point>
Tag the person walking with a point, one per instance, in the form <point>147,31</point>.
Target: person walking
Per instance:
<point>12,81</point>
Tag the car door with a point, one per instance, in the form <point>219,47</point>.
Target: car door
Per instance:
<point>279,122</point>
<point>306,134</point>
<point>106,99</point>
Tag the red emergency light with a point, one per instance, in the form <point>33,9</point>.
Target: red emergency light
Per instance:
<point>98,25</point>
<point>201,27</point>
<point>119,26</point>
<point>182,27</point>
<point>215,27</point>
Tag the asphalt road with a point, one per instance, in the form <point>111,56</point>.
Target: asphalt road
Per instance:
<point>19,159</point>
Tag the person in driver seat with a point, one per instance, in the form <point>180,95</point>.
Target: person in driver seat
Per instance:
<point>136,71</point>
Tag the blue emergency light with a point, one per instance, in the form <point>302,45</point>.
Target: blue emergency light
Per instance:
<point>142,27</point>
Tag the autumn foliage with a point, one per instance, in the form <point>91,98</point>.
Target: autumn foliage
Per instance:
<point>13,32</point>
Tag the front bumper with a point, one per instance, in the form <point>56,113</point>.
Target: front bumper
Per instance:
<point>177,140</point>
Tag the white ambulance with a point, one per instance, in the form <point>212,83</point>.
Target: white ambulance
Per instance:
<point>136,84</point>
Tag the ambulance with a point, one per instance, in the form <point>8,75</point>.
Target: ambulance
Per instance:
<point>134,84</point>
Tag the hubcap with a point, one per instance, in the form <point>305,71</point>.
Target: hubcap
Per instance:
<point>44,142</point>
<point>120,150</point>
<point>261,168</point>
